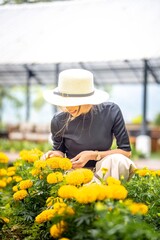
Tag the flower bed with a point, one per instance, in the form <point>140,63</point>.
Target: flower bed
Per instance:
<point>47,200</point>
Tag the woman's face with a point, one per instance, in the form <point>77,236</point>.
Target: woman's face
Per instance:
<point>75,111</point>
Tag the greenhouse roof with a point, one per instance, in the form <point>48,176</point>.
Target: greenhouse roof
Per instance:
<point>123,72</point>
<point>110,38</point>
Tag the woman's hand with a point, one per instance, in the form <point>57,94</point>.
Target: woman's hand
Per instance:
<point>82,158</point>
<point>50,154</point>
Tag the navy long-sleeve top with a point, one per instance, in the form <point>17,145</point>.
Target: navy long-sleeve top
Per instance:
<point>92,131</point>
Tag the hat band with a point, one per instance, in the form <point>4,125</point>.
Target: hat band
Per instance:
<point>73,95</point>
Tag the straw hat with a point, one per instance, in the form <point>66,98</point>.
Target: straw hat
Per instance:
<point>75,87</point>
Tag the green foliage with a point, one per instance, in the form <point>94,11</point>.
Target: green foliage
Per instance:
<point>146,189</point>
<point>136,154</point>
<point>110,218</point>
<point>26,1</point>
<point>118,224</point>
<point>16,146</point>
<point>39,101</point>
<point>5,94</point>
<point>157,120</point>
<point>37,232</point>
<point>137,119</point>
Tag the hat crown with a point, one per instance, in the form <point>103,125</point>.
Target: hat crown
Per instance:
<point>75,81</point>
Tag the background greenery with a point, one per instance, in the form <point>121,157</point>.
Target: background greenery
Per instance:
<point>16,146</point>
<point>27,1</point>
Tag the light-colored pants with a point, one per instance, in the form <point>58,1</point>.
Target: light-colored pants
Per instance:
<point>118,166</point>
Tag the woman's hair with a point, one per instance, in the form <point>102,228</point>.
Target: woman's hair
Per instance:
<point>71,118</point>
<point>64,127</point>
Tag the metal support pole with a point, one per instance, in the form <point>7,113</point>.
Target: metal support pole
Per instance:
<point>56,82</point>
<point>143,141</point>
<point>28,84</point>
<point>145,81</point>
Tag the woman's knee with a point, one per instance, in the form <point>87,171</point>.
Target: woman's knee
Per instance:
<point>117,164</point>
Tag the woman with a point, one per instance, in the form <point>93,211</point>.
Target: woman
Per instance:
<point>85,128</point>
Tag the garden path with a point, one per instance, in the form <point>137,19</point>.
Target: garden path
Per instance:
<point>153,164</point>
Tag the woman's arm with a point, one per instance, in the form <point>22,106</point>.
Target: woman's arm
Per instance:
<point>83,157</point>
<point>103,154</point>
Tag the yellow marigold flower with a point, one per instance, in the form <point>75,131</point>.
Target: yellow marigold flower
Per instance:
<point>57,229</point>
<point>128,202</point>
<point>11,173</point>
<point>35,171</point>
<point>15,188</point>
<point>53,162</point>
<point>65,164</point>
<point>40,164</point>
<point>3,158</point>
<point>55,177</point>
<point>84,194</point>
<point>153,173</point>
<point>3,172</point>
<point>23,154</point>
<point>50,201</point>
<point>6,220</point>
<point>143,172</point>
<point>75,177</point>
<point>30,155</point>
<point>138,208</point>
<point>11,169</point>
<point>63,239</point>
<point>91,193</point>
<point>99,206</point>
<point>41,177</point>
<point>67,191</point>
<point>21,194</point>
<point>59,205</point>
<point>58,199</point>
<point>60,208</point>
<point>25,184</point>
<point>88,175</point>
<point>2,184</point>
<point>45,216</point>
<point>4,179</point>
<point>104,171</point>
<point>8,180</point>
<point>62,211</point>
<point>100,191</point>
<point>79,176</point>
<point>122,177</point>
<point>69,211</point>
<point>157,172</point>
<point>17,178</point>
<point>116,192</point>
<point>110,181</point>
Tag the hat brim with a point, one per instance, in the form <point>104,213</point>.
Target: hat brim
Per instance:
<point>98,97</point>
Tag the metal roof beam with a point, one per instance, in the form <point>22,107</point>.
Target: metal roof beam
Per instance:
<point>134,70</point>
<point>151,70</point>
<point>31,74</point>
<point>114,70</point>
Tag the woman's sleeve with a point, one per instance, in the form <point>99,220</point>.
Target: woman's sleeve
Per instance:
<point>119,129</point>
<point>57,135</point>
